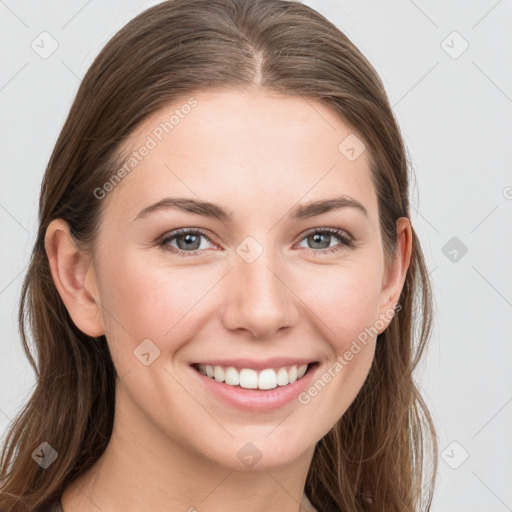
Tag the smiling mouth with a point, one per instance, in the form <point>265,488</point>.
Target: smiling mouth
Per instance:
<point>248,378</point>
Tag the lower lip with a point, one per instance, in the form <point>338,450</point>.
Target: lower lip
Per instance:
<point>254,399</point>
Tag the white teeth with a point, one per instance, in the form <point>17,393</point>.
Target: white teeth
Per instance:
<point>218,373</point>
<point>232,377</point>
<point>267,379</point>
<point>250,379</point>
<point>282,377</point>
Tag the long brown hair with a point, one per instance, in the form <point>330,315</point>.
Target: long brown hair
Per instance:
<point>374,458</point>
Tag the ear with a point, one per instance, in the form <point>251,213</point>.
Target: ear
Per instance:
<point>74,278</point>
<point>395,274</point>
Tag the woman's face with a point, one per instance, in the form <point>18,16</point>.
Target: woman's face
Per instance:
<point>274,278</point>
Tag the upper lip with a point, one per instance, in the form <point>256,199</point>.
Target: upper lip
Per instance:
<point>257,364</point>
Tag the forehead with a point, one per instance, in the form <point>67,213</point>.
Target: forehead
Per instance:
<point>238,148</point>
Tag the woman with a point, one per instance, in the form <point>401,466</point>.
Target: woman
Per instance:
<point>226,285</point>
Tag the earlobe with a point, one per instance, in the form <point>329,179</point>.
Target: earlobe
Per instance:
<point>71,272</point>
<point>395,276</point>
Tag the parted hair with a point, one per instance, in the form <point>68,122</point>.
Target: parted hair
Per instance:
<point>381,455</point>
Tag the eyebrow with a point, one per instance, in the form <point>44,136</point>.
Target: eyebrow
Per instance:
<point>215,211</point>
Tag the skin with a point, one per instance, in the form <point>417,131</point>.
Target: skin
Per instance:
<point>174,445</point>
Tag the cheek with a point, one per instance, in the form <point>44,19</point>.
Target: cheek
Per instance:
<point>346,300</point>
<point>143,301</point>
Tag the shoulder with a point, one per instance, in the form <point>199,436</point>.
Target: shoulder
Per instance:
<point>306,505</point>
<point>55,506</point>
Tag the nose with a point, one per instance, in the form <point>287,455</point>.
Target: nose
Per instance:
<point>258,299</point>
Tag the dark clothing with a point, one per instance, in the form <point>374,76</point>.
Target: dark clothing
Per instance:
<point>53,507</point>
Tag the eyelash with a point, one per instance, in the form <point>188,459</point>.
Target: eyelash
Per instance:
<point>346,240</point>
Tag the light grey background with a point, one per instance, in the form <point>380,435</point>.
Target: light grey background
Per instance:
<point>454,109</point>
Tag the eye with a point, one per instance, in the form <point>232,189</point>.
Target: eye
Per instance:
<point>188,241</point>
<point>321,240</point>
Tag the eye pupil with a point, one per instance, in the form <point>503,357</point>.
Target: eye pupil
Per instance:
<point>189,243</point>
<point>317,238</point>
